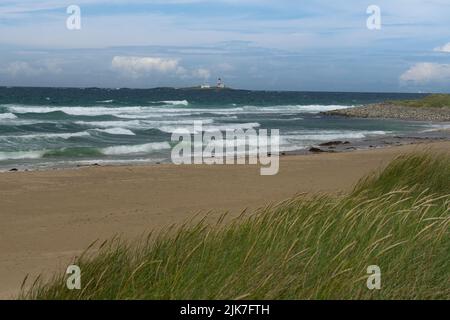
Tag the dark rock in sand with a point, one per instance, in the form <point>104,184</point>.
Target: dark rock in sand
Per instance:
<point>318,150</point>
<point>331,143</point>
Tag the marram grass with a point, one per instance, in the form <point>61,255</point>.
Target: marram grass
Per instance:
<point>430,101</point>
<point>309,247</point>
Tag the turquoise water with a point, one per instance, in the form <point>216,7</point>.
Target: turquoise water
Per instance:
<point>51,127</point>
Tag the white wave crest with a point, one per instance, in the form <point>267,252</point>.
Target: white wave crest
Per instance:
<point>75,111</point>
<point>117,131</point>
<point>314,108</point>
<point>47,136</point>
<point>172,108</point>
<point>176,102</point>
<point>110,124</point>
<point>330,135</point>
<point>437,127</point>
<point>17,155</point>
<point>7,116</point>
<point>142,124</point>
<point>189,129</point>
<point>136,149</point>
<point>105,101</point>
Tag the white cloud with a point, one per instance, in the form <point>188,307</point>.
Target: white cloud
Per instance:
<point>444,48</point>
<point>17,68</point>
<point>202,73</point>
<point>137,66</point>
<point>427,72</point>
<point>20,68</point>
<point>225,67</point>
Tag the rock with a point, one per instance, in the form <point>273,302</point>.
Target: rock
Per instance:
<point>331,143</point>
<point>13,170</point>
<point>316,150</point>
<point>389,111</point>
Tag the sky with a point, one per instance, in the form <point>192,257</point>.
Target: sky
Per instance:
<point>307,45</point>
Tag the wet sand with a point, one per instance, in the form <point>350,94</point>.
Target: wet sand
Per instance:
<point>48,217</point>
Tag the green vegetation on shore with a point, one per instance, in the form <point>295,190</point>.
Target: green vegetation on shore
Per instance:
<point>310,247</point>
<point>431,101</point>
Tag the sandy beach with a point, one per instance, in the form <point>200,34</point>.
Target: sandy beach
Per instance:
<point>48,217</point>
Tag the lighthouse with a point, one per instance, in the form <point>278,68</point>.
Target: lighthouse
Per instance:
<point>220,83</point>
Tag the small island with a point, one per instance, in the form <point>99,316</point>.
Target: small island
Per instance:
<point>435,107</point>
<point>219,86</point>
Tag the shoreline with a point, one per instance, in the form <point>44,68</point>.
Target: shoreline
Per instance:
<point>331,146</point>
<point>48,217</point>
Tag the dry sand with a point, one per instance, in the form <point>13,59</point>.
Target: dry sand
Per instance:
<point>47,218</point>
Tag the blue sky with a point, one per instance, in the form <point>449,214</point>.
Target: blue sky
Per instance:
<point>254,44</point>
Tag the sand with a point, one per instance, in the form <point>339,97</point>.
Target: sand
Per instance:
<point>47,218</point>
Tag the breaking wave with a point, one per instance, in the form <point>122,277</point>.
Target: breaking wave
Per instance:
<point>7,116</point>
<point>135,149</point>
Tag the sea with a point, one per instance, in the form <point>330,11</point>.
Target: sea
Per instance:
<point>42,128</point>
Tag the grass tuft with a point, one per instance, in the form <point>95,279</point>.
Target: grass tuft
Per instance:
<point>430,101</point>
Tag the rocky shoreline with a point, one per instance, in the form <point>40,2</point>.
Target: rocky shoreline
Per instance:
<point>373,143</point>
<point>389,111</point>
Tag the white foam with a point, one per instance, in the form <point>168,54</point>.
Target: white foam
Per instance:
<point>292,147</point>
<point>315,108</point>
<point>7,116</point>
<point>176,102</point>
<point>21,155</point>
<point>117,131</point>
<point>110,124</point>
<point>48,135</point>
<point>330,135</point>
<point>437,127</point>
<point>106,101</point>
<point>163,125</point>
<point>75,111</point>
<point>136,149</point>
<point>172,108</point>
<point>189,129</point>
